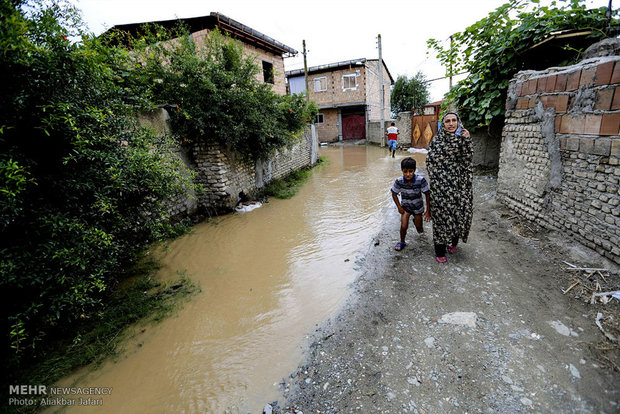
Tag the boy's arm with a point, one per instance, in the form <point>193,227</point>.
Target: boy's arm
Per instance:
<point>398,206</point>
<point>427,213</point>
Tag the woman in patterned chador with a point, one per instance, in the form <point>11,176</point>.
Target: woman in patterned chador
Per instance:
<point>449,166</point>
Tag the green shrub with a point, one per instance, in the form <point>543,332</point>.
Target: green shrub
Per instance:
<point>491,50</point>
<point>216,95</point>
<point>84,188</point>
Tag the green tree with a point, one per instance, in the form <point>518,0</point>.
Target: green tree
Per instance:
<point>409,92</point>
<point>490,50</point>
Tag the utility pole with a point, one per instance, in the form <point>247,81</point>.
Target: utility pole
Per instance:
<point>381,89</point>
<point>306,72</point>
<point>608,15</point>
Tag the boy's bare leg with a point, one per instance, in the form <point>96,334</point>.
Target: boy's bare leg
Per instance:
<point>404,225</point>
<point>417,220</point>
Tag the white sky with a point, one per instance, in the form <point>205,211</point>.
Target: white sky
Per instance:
<point>334,30</point>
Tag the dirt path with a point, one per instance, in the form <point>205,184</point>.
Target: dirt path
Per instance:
<point>518,345</point>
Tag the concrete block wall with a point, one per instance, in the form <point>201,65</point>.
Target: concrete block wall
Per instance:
<point>486,149</point>
<point>560,153</point>
<point>374,134</point>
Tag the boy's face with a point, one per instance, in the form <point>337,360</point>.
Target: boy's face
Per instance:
<point>408,173</point>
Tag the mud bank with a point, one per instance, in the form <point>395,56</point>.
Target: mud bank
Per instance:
<point>491,331</point>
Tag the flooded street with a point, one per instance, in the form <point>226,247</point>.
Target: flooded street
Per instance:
<point>268,277</point>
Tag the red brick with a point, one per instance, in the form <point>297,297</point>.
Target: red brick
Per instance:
<point>611,124</point>
<point>532,102</point>
<point>532,86</point>
<point>603,73</point>
<point>572,124</point>
<point>522,103</point>
<point>558,123</point>
<point>542,84</point>
<point>561,104</point>
<point>593,124</point>
<point>519,88</point>
<point>615,104</point>
<point>615,77</point>
<point>548,101</point>
<point>603,99</point>
<point>587,76</point>
<point>550,84</point>
<point>572,82</point>
<point>560,82</point>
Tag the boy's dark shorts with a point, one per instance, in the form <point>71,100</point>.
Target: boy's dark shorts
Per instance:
<point>412,212</point>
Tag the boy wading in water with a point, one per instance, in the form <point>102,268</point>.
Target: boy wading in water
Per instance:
<point>410,187</point>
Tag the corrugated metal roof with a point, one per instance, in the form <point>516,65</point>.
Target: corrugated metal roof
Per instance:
<point>333,66</point>
<point>329,66</point>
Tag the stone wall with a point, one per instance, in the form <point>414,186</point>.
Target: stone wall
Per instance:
<point>560,152</point>
<point>223,175</point>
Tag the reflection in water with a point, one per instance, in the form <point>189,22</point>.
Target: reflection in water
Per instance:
<point>267,278</point>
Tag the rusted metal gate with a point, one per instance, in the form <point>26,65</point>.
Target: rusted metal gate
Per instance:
<point>424,127</point>
<point>353,127</point>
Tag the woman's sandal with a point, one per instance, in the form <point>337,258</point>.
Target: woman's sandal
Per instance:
<point>451,249</point>
<point>441,259</point>
<point>399,246</point>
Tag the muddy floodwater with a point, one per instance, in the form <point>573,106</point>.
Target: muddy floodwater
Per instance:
<point>267,278</point>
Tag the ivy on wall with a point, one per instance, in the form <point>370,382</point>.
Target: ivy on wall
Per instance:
<point>491,50</point>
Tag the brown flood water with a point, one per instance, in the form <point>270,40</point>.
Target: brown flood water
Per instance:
<point>268,277</point>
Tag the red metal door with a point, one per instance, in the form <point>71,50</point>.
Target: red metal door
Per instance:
<point>353,127</point>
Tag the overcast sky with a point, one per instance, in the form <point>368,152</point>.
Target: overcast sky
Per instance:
<point>334,30</point>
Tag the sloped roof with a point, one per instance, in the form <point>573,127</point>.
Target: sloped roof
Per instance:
<point>224,23</point>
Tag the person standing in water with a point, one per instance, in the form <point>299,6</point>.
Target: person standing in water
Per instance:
<point>392,133</point>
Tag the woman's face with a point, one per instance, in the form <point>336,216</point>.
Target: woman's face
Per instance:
<point>451,122</point>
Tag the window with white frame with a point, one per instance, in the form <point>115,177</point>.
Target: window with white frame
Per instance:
<point>319,118</point>
<point>320,84</point>
<point>349,82</point>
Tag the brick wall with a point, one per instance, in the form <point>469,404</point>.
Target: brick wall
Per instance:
<point>328,131</point>
<point>335,93</point>
<point>223,175</point>
<point>560,153</point>
<point>373,88</point>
